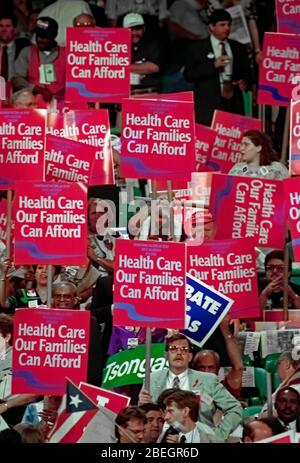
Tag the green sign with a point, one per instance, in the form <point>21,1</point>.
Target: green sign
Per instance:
<point>128,366</point>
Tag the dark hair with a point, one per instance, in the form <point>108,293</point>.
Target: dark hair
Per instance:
<point>219,15</point>
<point>163,395</point>
<point>277,254</point>
<point>272,423</point>
<point>150,407</point>
<point>7,326</point>
<point>10,436</point>
<point>57,269</point>
<point>290,389</point>
<point>10,16</point>
<point>185,399</point>
<point>267,154</point>
<point>129,413</point>
<point>178,337</point>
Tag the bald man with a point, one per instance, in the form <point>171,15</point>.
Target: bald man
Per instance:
<point>84,20</point>
<point>256,430</point>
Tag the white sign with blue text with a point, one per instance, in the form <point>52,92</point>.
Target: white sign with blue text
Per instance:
<point>206,307</point>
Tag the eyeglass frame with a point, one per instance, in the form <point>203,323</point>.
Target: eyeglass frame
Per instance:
<point>182,349</point>
<point>272,267</point>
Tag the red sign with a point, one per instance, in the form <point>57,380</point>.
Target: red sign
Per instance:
<point>249,207</point>
<point>227,147</point>
<point>98,64</point>
<point>21,146</point>
<point>295,138</point>
<point>229,266</point>
<point>158,140</point>
<point>201,187</point>
<point>288,16</point>
<point>67,161</point>
<point>284,438</point>
<point>49,344</point>
<point>104,398</point>
<point>205,139</point>
<point>149,284</point>
<point>90,127</point>
<point>292,196</point>
<point>279,68</point>
<point>50,224</point>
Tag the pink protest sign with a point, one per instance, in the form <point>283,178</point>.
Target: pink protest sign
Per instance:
<point>295,138</point>
<point>49,344</point>
<point>201,187</point>
<point>288,16</point>
<point>249,207</point>
<point>205,139</point>
<point>279,67</point>
<point>158,139</point>
<point>230,128</point>
<point>68,160</point>
<point>98,64</point>
<point>230,267</point>
<point>21,146</point>
<point>90,127</point>
<point>284,438</point>
<point>50,223</point>
<point>149,284</point>
<point>104,398</point>
<point>292,197</point>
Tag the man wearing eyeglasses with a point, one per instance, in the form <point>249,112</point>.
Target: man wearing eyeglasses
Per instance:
<point>271,293</point>
<point>213,395</point>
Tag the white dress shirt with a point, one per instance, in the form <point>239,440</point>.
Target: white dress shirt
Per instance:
<point>217,48</point>
<point>183,380</point>
<point>292,426</point>
<point>192,437</point>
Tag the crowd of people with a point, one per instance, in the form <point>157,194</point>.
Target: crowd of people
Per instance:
<point>175,46</point>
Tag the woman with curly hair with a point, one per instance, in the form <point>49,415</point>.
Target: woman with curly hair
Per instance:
<point>259,158</point>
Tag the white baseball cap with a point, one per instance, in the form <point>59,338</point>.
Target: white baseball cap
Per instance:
<point>132,20</point>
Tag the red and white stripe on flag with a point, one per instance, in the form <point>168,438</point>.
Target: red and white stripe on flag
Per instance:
<point>74,414</point>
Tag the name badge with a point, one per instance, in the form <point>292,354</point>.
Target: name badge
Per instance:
<point>33,304</point>
<point>135,79</point>
<point>47,74</point>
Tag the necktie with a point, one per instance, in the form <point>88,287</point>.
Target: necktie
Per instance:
<point>182,439</point>
<point>4,63</point>
<point>227,89</point>
<point>176,382</point>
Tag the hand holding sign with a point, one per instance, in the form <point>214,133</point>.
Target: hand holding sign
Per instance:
<point>206,307</point>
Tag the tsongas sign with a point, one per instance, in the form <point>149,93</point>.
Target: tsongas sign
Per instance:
<point>128,366</point>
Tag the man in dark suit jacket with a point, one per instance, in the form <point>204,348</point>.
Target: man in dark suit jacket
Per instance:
<point>220,70</point>
<point>9,43</point>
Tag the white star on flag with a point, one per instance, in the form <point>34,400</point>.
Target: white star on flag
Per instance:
<point>75,400</point>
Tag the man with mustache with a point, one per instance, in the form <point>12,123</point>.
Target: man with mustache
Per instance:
<point>179,376</point>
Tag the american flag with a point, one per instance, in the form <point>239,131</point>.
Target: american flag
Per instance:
<point>74,414</point>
